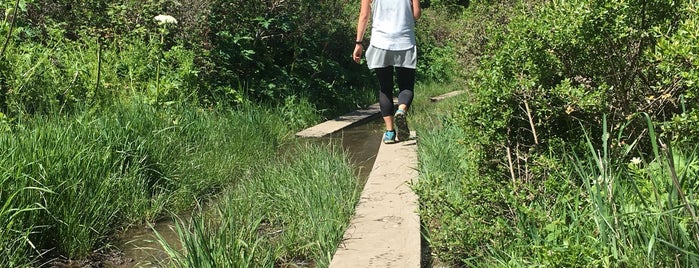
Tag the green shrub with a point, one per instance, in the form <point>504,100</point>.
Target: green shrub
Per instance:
<point>452,39</point>
<point>453,4</point>
<point>65,77</point>
<point>288,48</point>
<point>544,79</point>
<point>587,210</point>
<point>217,54</point>
<point>435,32</point>
<point>561,63</point>
<point>678,85</point>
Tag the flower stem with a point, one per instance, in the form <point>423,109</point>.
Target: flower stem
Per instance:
<point>157,68</point>
<point>99,64</point>
<point>9,33</point>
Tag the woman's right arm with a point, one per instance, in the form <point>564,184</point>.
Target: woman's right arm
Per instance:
<point>362,22</point>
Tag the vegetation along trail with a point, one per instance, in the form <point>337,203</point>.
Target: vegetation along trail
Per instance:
<point>573,144</point>
<point>141,246</point>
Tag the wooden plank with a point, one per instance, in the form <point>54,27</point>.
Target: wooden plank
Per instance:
<point>447,95</point>
<point>385,230</point>
<point>337,124</point>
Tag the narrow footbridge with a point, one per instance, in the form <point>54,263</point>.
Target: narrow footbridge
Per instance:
<point>385,230</point>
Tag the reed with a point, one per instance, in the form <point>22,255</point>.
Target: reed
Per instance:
<point>604,206</point>
<point>635,206</point>
<point>77,180</point>
<point>289,212</point>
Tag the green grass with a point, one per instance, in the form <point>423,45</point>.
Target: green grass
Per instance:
<point>598,210</point>
<point>489,198</point>
<point>14,233</point>
<point>643,212</point>
<point>426,115</point>
<point>291,211</point>
<point>68,183</point>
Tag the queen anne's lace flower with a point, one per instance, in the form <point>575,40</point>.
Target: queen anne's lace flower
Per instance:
<point>635,160</point>
<point>165,19</point>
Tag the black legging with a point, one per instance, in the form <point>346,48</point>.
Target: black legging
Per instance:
<point>406,84</point>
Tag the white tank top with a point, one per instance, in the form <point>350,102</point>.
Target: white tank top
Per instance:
<point>393,25</point>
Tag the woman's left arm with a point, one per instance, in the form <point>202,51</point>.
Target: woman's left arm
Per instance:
<point>417,12</point>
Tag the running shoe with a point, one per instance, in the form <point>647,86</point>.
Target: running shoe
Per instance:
<point>402,130</point>
<point>389,137</point>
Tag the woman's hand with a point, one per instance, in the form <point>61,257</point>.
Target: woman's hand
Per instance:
<point>364,13</point>
<point>357,55</point>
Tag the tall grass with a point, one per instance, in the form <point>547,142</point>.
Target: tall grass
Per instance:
<point>457,201</point>
<point>644,211</point>
<point>65,76</point>
<point>426,115</point>
<point>607,205</point>
<point>14,231</point>
<point>98,171</point>
<point>292,211</point>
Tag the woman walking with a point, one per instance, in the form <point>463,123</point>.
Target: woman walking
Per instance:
<point>392,49</point>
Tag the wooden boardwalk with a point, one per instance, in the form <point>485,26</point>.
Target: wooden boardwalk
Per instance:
<point>337,124</point>
<point>355,117</point>
<point>385,230</point>
<point>447,95</point>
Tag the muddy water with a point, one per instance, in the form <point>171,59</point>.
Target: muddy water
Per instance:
<point>362,143</point>
<point>141,248</point>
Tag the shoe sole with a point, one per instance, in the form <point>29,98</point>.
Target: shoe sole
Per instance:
<point>402,130</point>
<point>389,141</point>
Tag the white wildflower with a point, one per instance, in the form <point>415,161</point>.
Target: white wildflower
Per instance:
<point>635,160</point>
<point>600,180</point>
<point>165,19</point>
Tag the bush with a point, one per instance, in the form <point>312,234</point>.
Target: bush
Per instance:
<point>437,56</point>
<point>65,77</point>
<point>275,50</point>
<point>546,78</point>
<point>567,62</point>
<point>675,56</point>
<point>219,53</point>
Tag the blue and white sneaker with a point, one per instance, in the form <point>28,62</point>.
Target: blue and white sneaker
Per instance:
<point>402,130</point>
<point>389,137</point>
